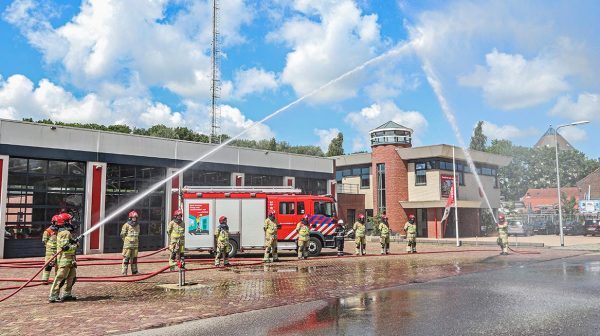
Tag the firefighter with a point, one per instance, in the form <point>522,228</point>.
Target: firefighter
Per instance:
<point>411,234</point>
<point>222,236</point>
<point>360,231</point>
<point>130,233</point>
<point>66,262</point>
<point>384,235</point>
<point>270,229</point>
<point>176,234</point>
<point>49,241</point>
<point>303,237</point>
<point>340,234</point>
<point>502,234</point>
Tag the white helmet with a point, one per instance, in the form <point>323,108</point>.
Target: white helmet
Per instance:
<point>341,222</point>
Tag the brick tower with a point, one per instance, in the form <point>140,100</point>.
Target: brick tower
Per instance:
<point>390,172</point>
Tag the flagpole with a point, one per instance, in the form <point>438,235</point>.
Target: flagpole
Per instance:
<point>455,198</point>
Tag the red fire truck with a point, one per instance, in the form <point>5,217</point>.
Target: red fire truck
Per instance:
<point>246,209</point>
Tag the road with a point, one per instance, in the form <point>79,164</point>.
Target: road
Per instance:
<point>556,297</point>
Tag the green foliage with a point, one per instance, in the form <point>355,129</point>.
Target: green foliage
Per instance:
<point>336,147</point>
<point>569,205</point>
<point>536,168</point>
<point>478,140</point>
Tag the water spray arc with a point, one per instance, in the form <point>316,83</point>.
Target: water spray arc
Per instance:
<point>437,88</point>
<point>400,49</point>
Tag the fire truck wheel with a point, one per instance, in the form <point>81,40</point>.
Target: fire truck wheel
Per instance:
<point>314,246</point>
<point>233,248</point>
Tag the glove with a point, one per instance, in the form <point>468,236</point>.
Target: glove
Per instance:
<point>278,226</point>
<point>66,247</point>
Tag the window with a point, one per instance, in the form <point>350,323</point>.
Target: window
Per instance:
<point>350,217</point>
<point>37,190</point>
<point>486,171</point>
<point>338,176</point>
<point>258,180</point>
<point>365,177</point>
<point>311,186</point>
<point>323,208</point>
<point>381,187</point>
<point>420,173</point>
<point>301,208</point>
<point>460,176</point>
<point>123,183</point>
<point>287,208</point>
<point>199,177</point>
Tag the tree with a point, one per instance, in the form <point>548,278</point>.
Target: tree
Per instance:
<point>478,140</point>
<point>569,205</point>
<point>336,147</point>
<point>120,129</point>
<point>273,144</point>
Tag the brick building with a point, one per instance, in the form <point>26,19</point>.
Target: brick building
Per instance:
<point>402,180</point>
<point>590,185</point>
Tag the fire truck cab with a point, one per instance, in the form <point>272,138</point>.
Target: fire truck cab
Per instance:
<point>247,208</point>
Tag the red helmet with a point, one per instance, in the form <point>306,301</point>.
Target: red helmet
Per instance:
<point>361,216</point>
<point>271,213</point>
<point>411,217</point>
<point>66,216</point>
<point>222,220</point>
<point>501,217</point>
<point>178,212</point>
<point>133,214</point>
<point>54,219</point>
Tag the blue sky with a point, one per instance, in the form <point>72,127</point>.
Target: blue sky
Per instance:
<point>518,66</point>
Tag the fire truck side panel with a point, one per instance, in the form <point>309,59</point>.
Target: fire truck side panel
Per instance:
<point>199,216</point>
<point>253,218</point>
<point>229,208</point>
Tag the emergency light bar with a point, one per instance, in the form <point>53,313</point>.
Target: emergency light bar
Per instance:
<point>236,189</point>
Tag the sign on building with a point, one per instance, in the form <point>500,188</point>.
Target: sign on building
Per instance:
<point>589,206</point>
<point>446,185</point>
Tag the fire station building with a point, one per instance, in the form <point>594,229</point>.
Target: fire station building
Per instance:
<point>402,180</point>
<point>44,168</point>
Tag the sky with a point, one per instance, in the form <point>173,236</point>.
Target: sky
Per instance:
<point>519,66</point>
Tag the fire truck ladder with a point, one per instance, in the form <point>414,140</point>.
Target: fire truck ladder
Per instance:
<point>236,189</point>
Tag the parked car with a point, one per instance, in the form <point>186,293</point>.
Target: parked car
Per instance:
<point>540,227</point>
<point>573,228</point>
<point>591,227</point>
<point>519,228</point>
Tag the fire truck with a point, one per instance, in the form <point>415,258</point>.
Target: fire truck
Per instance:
<point>246,209</point>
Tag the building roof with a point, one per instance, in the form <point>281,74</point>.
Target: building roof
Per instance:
<point>390,125</point>
<point>547,140</point>
<point>590,184</point>
<point>547,197</point>
<point>445,151</point>
<point>61,142</point>
<point>352,159</point>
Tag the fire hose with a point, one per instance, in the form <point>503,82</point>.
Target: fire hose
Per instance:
<point>145,276</point>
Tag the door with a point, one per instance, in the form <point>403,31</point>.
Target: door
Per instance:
<point>199,216</point>
<point>422,223</point>
<point>253,218</point>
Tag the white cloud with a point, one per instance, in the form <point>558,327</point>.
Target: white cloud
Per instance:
<point>19,98</point>
<point>508,132</point>
<point>325,137</point>
<point>587,107</point>
<point>254,80</point>
<point>114,41</point>
<point>511,81</point>
<point>573,134</point>
<point>377,114</point>
<point>234,122</point>
<point>327,38</point>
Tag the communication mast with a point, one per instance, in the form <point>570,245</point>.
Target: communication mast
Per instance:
<point>215,87</point>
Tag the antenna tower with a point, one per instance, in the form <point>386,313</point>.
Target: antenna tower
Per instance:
<point>215,87</point>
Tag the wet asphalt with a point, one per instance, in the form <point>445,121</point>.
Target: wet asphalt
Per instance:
<point>558,297</point>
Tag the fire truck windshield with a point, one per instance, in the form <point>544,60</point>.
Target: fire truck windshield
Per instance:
<point>324,208</point>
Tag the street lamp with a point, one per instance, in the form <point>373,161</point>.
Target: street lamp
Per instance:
<point>560,222</point>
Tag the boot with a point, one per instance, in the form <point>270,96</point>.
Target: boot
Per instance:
<point>382,251</point>
<point>68,297</point>
<point>53,299</point>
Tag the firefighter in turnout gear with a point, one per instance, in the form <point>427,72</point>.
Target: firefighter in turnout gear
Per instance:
<point>270,238</point>
<point>384,235</point>
<point>411,234</point>
<point>360,231</point>
<point>222,236</point>
<point>176,234</point>
<point>303,237</point>
<point>130,233</point>
<point>502,234</point>
<point>66,274</point>
<point>49,241</point>
<point>340,235</point>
